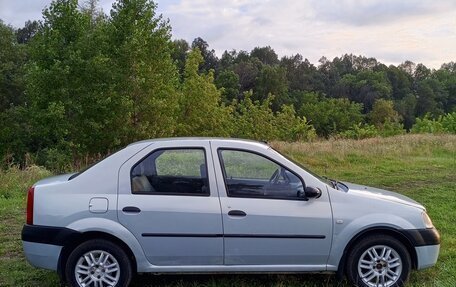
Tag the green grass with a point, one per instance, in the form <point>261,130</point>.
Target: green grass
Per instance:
<point>420,166</point>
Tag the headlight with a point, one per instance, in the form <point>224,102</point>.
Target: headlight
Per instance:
<point>427,220</point>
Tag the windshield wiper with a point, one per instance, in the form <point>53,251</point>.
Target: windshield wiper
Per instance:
<point>333,182</point>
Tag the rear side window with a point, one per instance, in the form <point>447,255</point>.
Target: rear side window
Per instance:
<point>171,172</point>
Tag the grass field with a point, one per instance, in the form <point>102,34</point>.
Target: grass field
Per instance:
<point>420,166</point>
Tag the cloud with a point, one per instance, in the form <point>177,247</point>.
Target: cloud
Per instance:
<point>16,13</point>
<point>390,30</point>
<point>375,12</point>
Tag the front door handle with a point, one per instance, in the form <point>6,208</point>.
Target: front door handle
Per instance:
<point>131,209</point>
<point>238,213</point>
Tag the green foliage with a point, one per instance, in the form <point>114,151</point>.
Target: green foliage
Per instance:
<point>80,104</point>
<point>449,122</point>
<point>79,84</point>
<point>365,87</point>
<point>272,80</point>
<point>12,59</point>
<point>431,97</point>
<point>256,120</point>
<point>14,136</point>
<point>210,60</point>
<point>291,127</point>
<point>383,112</point>
<point>146,77</point>
<point>441,124</point>
<point>406,109</point>
<point>201,113</point>
<point>360,131</point>
<point>228,82</point>
<point>391,128</point>
<point>330,116</point>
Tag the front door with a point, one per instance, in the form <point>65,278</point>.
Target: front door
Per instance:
<point>169,202</point>
<point>265,220</point>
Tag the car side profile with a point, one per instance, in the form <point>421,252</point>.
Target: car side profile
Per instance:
<point>213,205</point>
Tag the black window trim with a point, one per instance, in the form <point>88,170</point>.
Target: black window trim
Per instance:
<point>222,166</point>
<point>207,194</point>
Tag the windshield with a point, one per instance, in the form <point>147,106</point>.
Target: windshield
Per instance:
<point>323,179</point>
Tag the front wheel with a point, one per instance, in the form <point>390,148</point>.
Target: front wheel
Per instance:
<point>379,260</point>
<point>98,263</point>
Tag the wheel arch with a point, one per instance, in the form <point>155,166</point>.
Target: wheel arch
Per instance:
<point>86,236</point>
<point>384,230</point>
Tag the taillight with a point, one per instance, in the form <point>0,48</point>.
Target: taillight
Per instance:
<point>30,205</point>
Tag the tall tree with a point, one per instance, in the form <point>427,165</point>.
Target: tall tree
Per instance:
<point>447,76</point>
<point>272,81</point>
<point>301,74</point>
<point>179,54</point>
<point>145,73</point>
<point>202,113</point>
<point>25,34</point>
<point>76,111</point>
<point>266,55</point>
<point>383,112</point>
<point>210,60</point>
<point>228,82</point>
<point>12,59</point>
<point>431,97</point>
<point>330,116</point>
<point>365,87</point>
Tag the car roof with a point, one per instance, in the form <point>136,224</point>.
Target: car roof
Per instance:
<point>219,139</point>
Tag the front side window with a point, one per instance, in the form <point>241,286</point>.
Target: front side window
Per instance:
<point>171,172</point>
<point>249,174</point>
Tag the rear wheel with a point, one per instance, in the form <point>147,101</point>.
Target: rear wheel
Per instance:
<point>98,263</point>
<point>379,260</point>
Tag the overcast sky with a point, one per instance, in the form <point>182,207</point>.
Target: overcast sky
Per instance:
<point>423,31</point>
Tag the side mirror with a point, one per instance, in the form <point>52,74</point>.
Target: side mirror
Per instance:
<point>312,192</point>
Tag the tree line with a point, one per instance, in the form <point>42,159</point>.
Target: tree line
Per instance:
<point>80,83</point>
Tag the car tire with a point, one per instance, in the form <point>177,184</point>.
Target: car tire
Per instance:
<point>98,261</point>
<point>379,257</point>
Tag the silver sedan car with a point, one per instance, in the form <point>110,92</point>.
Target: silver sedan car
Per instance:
<point>211,205</point>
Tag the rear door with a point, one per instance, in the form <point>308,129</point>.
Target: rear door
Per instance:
<point>264,220</point>
<point>169,201</point>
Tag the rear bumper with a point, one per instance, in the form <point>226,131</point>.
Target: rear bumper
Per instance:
<point>42,255</point>
<point>43,244</point>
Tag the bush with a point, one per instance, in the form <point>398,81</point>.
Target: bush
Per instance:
<point>389,129</point>
<point>55,159</point>
<point>443,124</point>
<point>290,127</point>
<point>360,131</point>
<point>330,116</point>
<point>449,123</point>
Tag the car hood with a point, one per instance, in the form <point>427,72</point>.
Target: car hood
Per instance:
<point>377,193</point>
<point>54,179</point>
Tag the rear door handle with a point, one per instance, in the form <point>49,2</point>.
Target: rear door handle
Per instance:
<point>238,213</point>
<point>131,209</point>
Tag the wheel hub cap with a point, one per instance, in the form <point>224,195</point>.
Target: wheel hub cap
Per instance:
<point>97,268</point>
<point>380,266</point>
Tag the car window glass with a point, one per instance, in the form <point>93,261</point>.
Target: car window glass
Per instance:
<point>171,172</point>
<point>249,174</point>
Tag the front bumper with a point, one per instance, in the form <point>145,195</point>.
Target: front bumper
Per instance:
<point>43,244</point>
<point>427,256</point>
<point>427,246</point>
<point>422,237</point>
